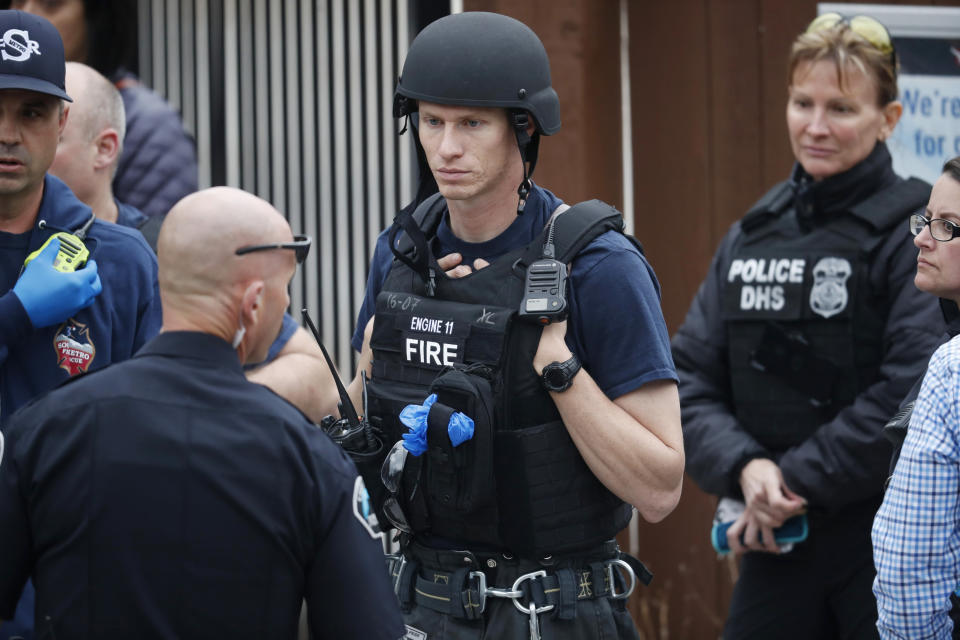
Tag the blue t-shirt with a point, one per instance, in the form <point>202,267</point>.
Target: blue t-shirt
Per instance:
<point>616,325</point>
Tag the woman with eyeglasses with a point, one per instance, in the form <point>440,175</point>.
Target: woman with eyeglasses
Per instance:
<point>916,534</point>
<point>802,340</point>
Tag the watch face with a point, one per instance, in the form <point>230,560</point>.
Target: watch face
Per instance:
<point>554,377</point>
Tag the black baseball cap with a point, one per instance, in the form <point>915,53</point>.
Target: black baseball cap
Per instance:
<point>31,54</point>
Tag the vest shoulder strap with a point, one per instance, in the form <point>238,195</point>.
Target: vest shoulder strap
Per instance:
<point>888,207</point>
<point>772,203</point>
<point>427,213</point>
<point>574,228</point>
<point>427,217</point>
<point>579,225</point>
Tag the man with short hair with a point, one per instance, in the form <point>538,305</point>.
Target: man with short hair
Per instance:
<point>90,149</point>
<point>513,516</point>
<point>171,497</point>
<point>55,322</point>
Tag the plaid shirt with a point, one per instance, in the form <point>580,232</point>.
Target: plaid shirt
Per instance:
<point>916,534</point>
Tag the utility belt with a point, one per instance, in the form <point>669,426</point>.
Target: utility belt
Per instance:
<point>459,583</point>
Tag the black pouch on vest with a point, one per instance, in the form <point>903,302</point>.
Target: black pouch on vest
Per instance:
<point>461,487</point>
<point>550,502</point>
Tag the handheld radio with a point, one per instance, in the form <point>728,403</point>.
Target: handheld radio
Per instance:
<point>351,431</point>
<point>73,253</point>
<point>360,440</point>
<point>545,287</point>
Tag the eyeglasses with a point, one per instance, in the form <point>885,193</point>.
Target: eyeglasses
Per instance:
<point>941,230</point>
<point>870,29</point>
<point>300,247</point>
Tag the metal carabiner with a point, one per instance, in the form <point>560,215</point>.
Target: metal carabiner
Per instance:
<point>610,576</point>
<point>399,574</point>
<point>491,592</point>
<point>516,600</point>
<point>534,622</point>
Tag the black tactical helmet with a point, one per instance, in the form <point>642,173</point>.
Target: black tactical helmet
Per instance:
<point>479,59</point>
<point>482,60</point>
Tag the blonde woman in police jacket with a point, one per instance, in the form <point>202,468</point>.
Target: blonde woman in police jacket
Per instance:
<point>802,340</point>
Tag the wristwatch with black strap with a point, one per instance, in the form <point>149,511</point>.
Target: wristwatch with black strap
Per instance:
<point>558,376</point>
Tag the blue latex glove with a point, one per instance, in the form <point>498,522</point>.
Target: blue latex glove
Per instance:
<point>414,417</point>
<point>460,428</point>
<point>50,296</point>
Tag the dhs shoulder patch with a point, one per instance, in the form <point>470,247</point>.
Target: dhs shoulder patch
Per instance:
<point>363,509</point>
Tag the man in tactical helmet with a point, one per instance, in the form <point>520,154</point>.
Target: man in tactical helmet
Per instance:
<point>520,438</point>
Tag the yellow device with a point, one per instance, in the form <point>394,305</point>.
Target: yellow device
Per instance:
<point>72,255</point>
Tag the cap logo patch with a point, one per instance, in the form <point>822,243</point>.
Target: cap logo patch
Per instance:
<point>19,42</point>
<point>74,347</point>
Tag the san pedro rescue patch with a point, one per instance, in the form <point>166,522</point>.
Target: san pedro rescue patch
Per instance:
<point>363,509</point>
<point>74,347</point>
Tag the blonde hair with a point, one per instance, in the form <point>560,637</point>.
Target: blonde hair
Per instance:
<point>845,47</point>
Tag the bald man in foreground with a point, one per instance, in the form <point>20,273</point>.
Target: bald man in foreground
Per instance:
<point>168,496</point>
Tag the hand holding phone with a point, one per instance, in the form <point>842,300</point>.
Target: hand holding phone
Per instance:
<point>795,529</point>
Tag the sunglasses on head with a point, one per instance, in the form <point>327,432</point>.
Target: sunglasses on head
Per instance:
<point>300,247</point>
<point>870,29</point>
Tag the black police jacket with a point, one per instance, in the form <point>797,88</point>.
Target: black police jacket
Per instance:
<point>844,459</point>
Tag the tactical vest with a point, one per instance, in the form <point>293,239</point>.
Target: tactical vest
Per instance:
<point>804,321</point>
<point>519,483</point>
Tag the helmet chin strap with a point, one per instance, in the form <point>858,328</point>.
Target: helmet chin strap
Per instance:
<point>529,145</point>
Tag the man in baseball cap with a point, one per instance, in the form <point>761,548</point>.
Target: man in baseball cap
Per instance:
<point>31,55</point>
<point>56,321</point>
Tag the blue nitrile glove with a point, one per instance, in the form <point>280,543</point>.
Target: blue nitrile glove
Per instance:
<point>414,417</point>
<point>50,296</point>
<point>460,428</point>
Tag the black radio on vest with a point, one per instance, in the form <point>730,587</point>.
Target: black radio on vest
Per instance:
<point>545,289</point>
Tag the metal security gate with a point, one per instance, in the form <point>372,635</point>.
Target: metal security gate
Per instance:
<point>291,100</point>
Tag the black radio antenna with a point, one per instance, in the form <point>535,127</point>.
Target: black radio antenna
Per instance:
<point>347,409</point>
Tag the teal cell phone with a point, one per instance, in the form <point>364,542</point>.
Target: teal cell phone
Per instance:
<point>794,530</point>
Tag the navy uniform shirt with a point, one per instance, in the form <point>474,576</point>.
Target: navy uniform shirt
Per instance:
<point>167,496</point>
